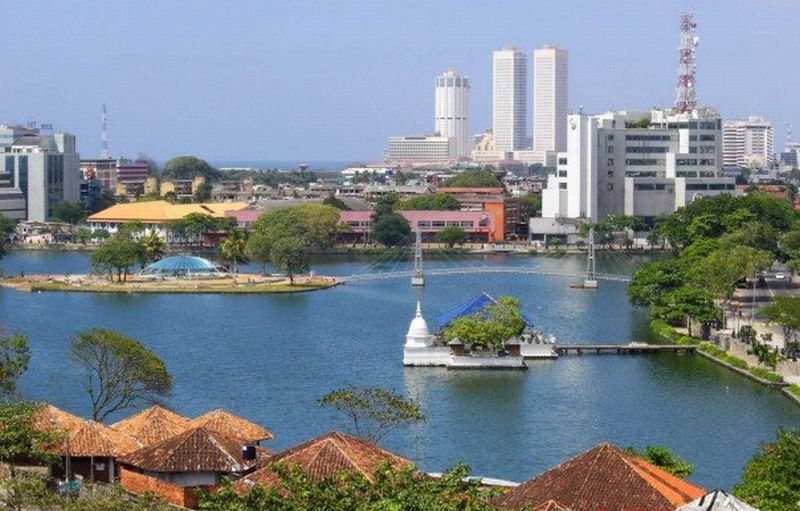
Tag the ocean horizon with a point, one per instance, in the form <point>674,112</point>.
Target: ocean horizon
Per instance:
<point>318,165</point>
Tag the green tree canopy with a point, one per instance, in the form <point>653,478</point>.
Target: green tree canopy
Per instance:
<point>20,439</point>
<point>14,358</point>
<point>679,304</point>
<point>474,178</point>
<point>7,227</point>
<point>491,327</point>
<point>373,411</point>
<point>189,167</point>
<point>452,235</point>
<point>785,312</point>
<point>530,206</point>
<point>336,202</point>
<point>391,229</point>
<point>117,255</point>
<point>234,248</point>
<point>290,256</point>
<point>315,224</point>
<point>69,212</point>
<point>771,480</point>
<point>120,372</point>
<point>663,457</point>
<point>153,247</point>
<point>434,201</point>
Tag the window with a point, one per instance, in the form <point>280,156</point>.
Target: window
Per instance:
<point>562,186</point>
<point>424,223</point>
<point>467,223</point>
<point>562,161</point>
<point>610,149</point>
<point>646,149</point>
<point>611,137</point>
<point>562,173</point>
<point>610,162</point>
<point>438,223</point>
<point>654,138</point>
<point>452,223</point>
<point>643,161</point>
<point>610,186</point>
<point>707,138</point>
<point>686,161</point>
<point>610,173</point>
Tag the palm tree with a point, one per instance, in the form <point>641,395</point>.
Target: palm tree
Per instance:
<point>153,246</point>
<point>234,247</point>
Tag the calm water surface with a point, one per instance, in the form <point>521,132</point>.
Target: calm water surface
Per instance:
<point>269,358</point>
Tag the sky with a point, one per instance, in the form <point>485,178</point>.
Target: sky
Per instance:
<point>332,79</point>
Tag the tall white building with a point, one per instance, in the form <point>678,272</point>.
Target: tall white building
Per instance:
<point>550,99</point>
<point>640,164</point>
<point>37,171</point>
<point>509,78</point>
<point>422,148</point>
<point>452,110</point>
<point>748,143</point>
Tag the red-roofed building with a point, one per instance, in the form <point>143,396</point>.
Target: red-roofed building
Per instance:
<point>604,477</point>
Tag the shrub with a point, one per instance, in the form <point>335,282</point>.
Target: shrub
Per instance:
<point>764,374</point>
<point>794,389</point>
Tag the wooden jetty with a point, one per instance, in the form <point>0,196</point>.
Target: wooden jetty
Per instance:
<point>622,349</point>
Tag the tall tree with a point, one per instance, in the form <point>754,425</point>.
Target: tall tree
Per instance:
<point>452,235</point>
<point>14,358</point>
<point>391,229</point>
<point>374,411</point>
<point>474,178</point>
<point>290,256</point>
<point>117,255</point>
<point>771,480</point>
<point>120,372</point>
<point>234,248</point>
<point>7,227</point>
<point>189,167</point>
<point>258,249</point>
<point>69,212</point>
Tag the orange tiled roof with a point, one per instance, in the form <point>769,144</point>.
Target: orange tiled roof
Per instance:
<point>232,425</point>
<point>84,438</point>
<point>604,477</point>
<point>195,450</point>
<point>162,211</point>
<point>153,425</point>
<point>324,457</point>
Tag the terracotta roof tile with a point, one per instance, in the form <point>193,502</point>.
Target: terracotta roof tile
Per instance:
<point>152,425</point>
<point>603,477</point>
<point>232,425</point>
<point>323,457</point>
<point>84,438</point>
<point>195,450</point>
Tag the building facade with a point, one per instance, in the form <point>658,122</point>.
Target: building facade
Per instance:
<point>509,101</point>
<point>480,226</point>
<point>37,171</point>
<point>421,148</point>
<point>103,170</point>
<point>748,143</point>
<point>452,110</point>
<point>550,99</point>
<point>639,164</point>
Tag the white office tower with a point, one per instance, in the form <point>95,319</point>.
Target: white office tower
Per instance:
<point>550,99</point>
<point>748,143</point>
<point>509,100</point>
<point>452,110</point>
<point>38,169</point>
<point>642,164</point>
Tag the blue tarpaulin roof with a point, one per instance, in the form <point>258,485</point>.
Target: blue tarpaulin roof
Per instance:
<point>468,308</point>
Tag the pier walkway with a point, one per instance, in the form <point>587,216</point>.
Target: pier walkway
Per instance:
<point>622,349</point>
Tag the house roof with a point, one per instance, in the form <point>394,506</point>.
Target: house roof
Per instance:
<point>604,477</point>
<point>232,425</point>
<point>85,438</point>
<point>162,211</point>
<point>152,425</point>
<point>468,308</point>
<point>324,457</point>
<point>197,449</point>
<point>717,500</point>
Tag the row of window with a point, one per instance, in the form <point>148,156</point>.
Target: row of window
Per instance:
<point>655,138</point>
<point>693,161</point>
<point>702,138</point>
<point>710,186</point>
<point>644,161</point>
<point>647,149</point>
<point>652,187</point>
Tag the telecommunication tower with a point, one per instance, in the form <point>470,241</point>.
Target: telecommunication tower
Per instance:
<point>104,136</point>
<point>685,92</point>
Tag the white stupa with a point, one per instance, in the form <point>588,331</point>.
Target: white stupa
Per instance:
<point>418,335</point>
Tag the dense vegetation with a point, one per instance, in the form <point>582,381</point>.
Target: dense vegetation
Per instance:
<point>489,328</point>
<point>771,480</point>
<point>189,167</point>
<point>6,229</point>
<point>718,241</point>
<point>474,178</point>
<point>434,201</point>
<point>389,227</point>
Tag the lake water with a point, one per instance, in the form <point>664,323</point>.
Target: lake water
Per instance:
<point>269,357</point>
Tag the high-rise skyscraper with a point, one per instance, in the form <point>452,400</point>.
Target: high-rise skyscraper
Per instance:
<point>452,109</point>
<point>509,99</point>
<point>550,99</point>
<point>748,143</point>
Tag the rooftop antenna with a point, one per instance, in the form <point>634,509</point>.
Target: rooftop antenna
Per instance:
<point>685,92</point>
<point>104,135</point>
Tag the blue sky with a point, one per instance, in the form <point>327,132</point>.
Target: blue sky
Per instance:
<point>330,80</point>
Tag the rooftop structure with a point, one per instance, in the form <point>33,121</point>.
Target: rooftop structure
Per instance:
<point>233,425</point>
<point>717,500</point>
<point>183,265</point>
<point>159,212</point>
<point>469,308</point>
<point>604,477</point>
<point>152,425</point>
<point>480,226</point>
<point>325,457</point>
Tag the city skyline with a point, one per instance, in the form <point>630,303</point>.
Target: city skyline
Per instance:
<point>355,92</point>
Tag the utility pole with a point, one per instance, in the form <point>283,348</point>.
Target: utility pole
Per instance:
<point>418,279</point>
<point>590,282</point>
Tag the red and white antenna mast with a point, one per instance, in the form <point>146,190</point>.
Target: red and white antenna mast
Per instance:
<point>685,92</point>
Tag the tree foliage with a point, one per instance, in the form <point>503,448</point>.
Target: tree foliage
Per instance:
<point>31,492</point>
<point>530,206</point>
<point>290,256</point>
<point>7,227</point>
<point>452,235</point>
<point>153,247</point>
<point>336,202</point>
<point>117,255</point>
<point>189,167</point>
<point>474,178</point>
<point>314,224</point>
<point>120,372</point>
<point>69,212</point>
<point>390,490</point>
<point>434,201</point>
<point>14,358</point>
<point>373,411</point>
<point>771,479</point>
<point>785,312</point>
<point>491,327</point>
<point>663,457</point>
<point>20,437</point>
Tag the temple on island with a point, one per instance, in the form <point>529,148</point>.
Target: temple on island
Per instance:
<point>423,348</point>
